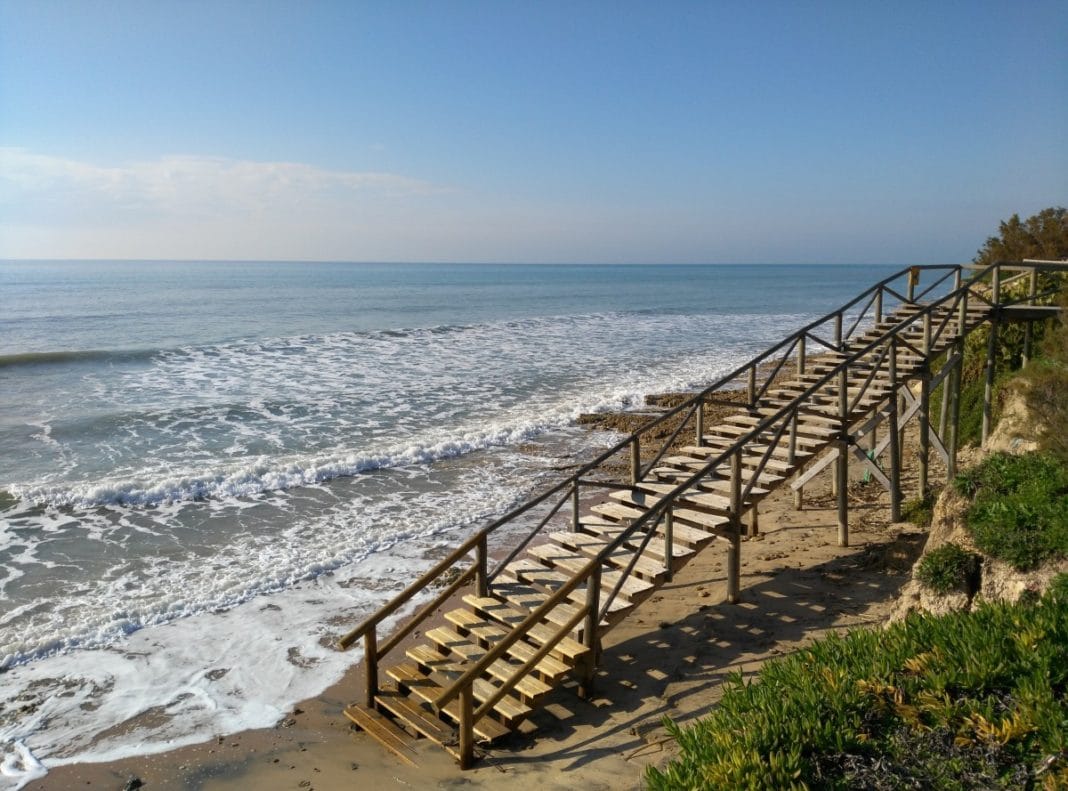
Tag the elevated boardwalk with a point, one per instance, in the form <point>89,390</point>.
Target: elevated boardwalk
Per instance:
<point>600,546</point>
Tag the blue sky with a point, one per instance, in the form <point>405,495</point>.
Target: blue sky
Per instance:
<point>542,132</point>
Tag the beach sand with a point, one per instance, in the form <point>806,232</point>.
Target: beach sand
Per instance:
<point>668,658</point>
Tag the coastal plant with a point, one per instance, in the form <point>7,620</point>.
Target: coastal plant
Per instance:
<point>948,568</point>
<point>920,510</point>
<point>966,700</point>
<point>1019,510</point>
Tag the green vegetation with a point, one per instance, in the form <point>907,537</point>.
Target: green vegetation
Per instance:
<point>920,510</point>
<point>1019,510</point>
<point>1043,236</point>
<point>1044,385</point>
<point>969,700</point>
<point>948,568</point>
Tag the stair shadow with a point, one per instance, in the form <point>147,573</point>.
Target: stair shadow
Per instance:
<point>659,672</point>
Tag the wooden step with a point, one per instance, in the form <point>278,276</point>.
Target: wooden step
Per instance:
<point>383,730</point>
<point>632,588</point>
<point>453,649</point>
<point>442,672</point>
<point>496,609</point>
<point>428,689</point>
<point>650,564</point>
<point>467,622</point>
<point>419,717</point>
<point>710,524</point>
<point>534,572</point>
<point>599,528</point>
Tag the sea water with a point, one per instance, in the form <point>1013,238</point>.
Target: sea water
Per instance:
<point>210,470</point>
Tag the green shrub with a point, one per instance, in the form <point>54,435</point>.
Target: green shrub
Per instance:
<point>1019,512</point>
<point>967,700</point>
<point>920,510</point>
<point>948,568</point>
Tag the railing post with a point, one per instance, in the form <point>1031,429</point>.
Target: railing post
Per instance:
<point>895,441</point>
<point>1029,326</point>
<point>370,663</point>
<point>914,277</point>
<point>954,410</point>
<point>838,331</point>
<point>669,542</point>
<point>751,387</point>
<point>467,727</point>
<point>842,462</point>
<point>635,460</point>
<point>734,552</point>
<point>988,385</point>
<point>962,317</point>
<point>799,493</point>
<point>925,427</point>
<point>879,305</point>
<point>699,430</point>
<point>576,514</point>
<point>482,574</point>
<point>589,631</point>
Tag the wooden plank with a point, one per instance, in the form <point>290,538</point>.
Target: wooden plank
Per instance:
<point>496,609</point>
<point>488,633</point>
<point>383,730</point>
<point>601,531</point>
<point>530,688</point>
<point>534,572</point>
<point>703,528</point>
<point>567,559</point>
<point>650,564</point>
<point>408,677</point>
<point>418,716</point>
<point>511,710</point>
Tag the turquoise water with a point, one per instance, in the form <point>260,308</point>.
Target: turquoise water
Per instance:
<point>196,455</point>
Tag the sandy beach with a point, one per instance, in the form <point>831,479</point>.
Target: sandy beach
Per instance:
<point>669,658</point>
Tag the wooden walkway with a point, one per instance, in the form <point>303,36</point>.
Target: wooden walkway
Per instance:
<point>814,401</point>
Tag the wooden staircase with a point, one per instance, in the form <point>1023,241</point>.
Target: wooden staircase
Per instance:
<point>536,622</point>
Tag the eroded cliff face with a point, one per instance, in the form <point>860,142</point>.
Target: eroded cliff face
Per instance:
<point>997,580</point>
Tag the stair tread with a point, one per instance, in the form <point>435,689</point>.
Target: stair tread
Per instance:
<point>418,716</point>
<point>383,730</point>
<point>428,689</point>
<point>485,630</point>
<point>529,688</point>
<point>499,610</point>
<point>509,708</point>
<point>568,559</point>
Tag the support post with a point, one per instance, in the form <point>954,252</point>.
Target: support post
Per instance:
<point>482,574</point>
<point>699,439</point>
<point>801,355</point>
<point>954,411</point>
<point>895,441</point>
<point>799,493</point>
<point>879,305</point>
<point>988,385</point>
<point>1029,328</point>
<point>754,522</point>
<point>734,552</point>
<point>467,728</point>
<point>370,663</point>
<point>589,632</point>
<point>838,331</point>
<point>925,428</point>
<point>841,468</point>
<point>751,387</point>
<point>669,543</point>
<point>576,515</point>
<point>635,460</point>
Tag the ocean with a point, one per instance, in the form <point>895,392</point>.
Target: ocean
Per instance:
<point>210,470</point>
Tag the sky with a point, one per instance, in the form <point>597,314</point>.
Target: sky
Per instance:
<point>506,131</point>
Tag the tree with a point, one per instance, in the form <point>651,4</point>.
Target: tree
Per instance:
<point>1044,235</point>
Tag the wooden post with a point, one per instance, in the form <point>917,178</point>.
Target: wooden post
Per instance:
<point>589,632</point>
<point>734,552</point>
<point>370,663</point>
<point>838,331</point>
<point>799,494</point>
<point>754,522</point>
<point>879,305</point>
<point>954,411</point>
<point>925,427</point>
<point>635,460</point>
<point>895,441</point>
<point>801,355</point>
<point>576,516</point>
<point>467,728</point>
<point>482,574</point>
<point>842,462</point>
<point>669,543</point>
<point>751,387</point>
<point>1029,328</point>
<point>914,278</point>
<point>700,421</point>
<point>988,385</point>
<point>991,350</point>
